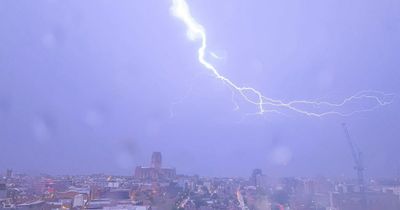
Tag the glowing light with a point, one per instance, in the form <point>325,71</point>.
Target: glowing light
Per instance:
<point>195,31</point>
<point>214,55</point>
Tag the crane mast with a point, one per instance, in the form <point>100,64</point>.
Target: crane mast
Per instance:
<point>357,157</point>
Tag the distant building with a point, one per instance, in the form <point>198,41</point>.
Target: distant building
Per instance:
<point>257,178</point>
<point>116,194</point>
<point>156,160</point>
<point>113,184</point>
<point>3,191</point>
<point>155,171</point>
<point>374,201</point>
<point>78,201</point>
<point>9,174</point>
<point>309,186</point>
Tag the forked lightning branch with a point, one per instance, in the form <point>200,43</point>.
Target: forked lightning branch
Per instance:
<point>264,104</point>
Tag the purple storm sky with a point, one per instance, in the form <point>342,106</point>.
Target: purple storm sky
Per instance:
<point>97,86</point>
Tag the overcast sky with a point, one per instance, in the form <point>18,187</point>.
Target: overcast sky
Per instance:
<point>97,86</point>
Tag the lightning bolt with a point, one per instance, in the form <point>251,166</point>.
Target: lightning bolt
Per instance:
<point>196,32</point>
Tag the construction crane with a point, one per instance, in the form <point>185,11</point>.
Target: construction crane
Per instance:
<point>359,165</point>
<point>357,156</point>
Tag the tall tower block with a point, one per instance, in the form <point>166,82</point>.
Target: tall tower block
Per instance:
<point>156,160</point>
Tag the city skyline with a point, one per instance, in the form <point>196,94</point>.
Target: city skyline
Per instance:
<point>155,187</point>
